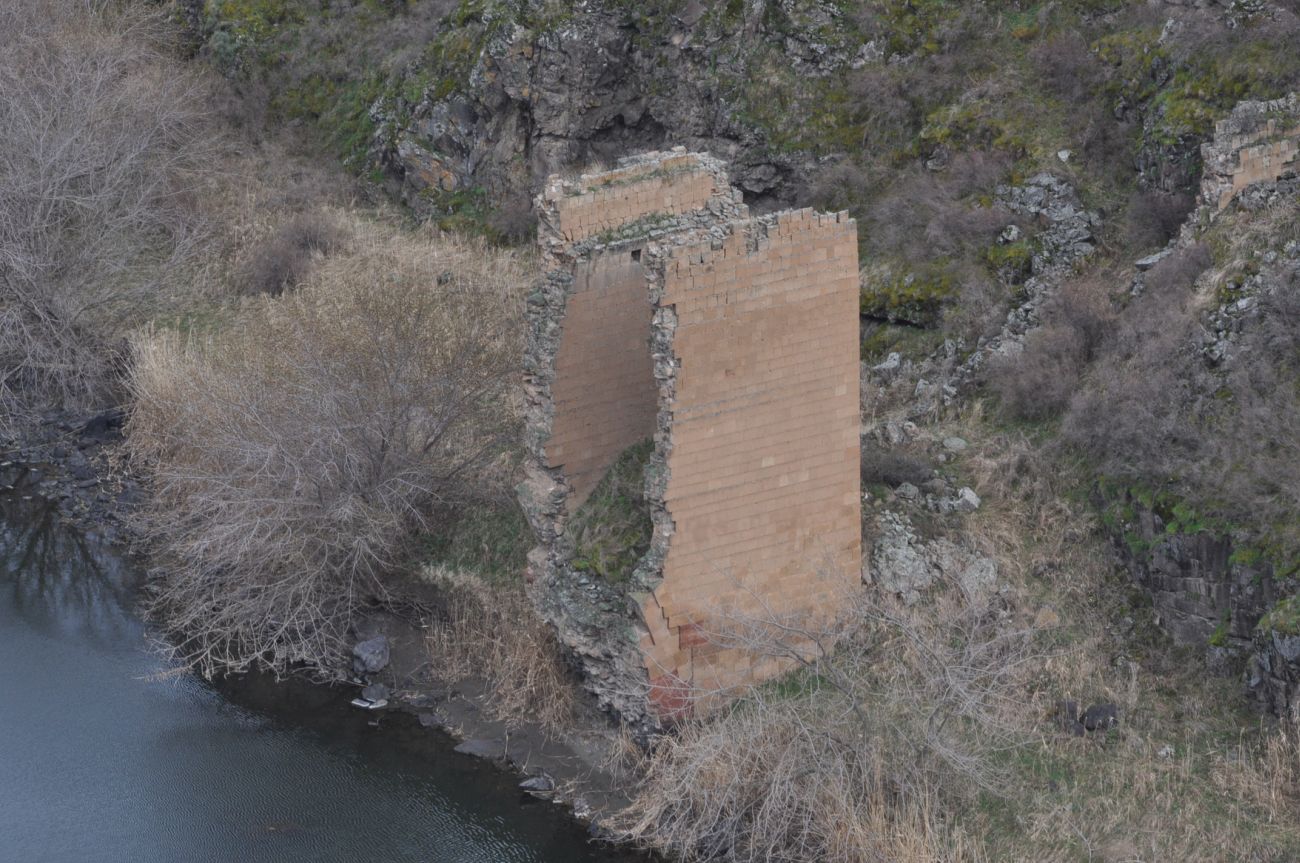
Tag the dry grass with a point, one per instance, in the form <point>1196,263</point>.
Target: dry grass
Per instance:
<point>1190,773</point>
<point>772,783</point>
<point>294,453</point>
<point>931,733</point>
<point>495,634</point>
<point>895,716</point>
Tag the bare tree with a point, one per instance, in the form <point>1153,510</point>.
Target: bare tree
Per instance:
<point>101,134</point>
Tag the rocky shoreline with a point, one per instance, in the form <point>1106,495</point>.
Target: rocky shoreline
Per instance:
<point>74,460</point>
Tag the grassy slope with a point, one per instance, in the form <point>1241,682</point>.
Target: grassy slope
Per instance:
<point>1188,774</point>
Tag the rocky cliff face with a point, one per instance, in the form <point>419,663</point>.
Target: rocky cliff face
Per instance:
<point>1228,587</point>
<point>540,93</point>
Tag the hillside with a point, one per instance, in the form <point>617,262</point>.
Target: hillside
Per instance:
<point>1077,634</point>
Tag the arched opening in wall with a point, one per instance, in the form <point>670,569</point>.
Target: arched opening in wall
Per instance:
<point>604,393</point>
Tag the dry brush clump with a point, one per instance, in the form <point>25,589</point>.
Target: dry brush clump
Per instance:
<point>495,634</point>
<point>1040,381</point>
<point>103,137</point>
<point>895,716</point>
<point>1157,410</point>
<point>293,455</point>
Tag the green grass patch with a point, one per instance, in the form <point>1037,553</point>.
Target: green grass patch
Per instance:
<point>489,540</point>
<point>612,529</point>
<point>1283,618</point>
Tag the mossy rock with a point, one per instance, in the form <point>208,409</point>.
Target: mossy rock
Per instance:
<point>912,298</point>
<point>611,531</point>
<point>1283,618</point>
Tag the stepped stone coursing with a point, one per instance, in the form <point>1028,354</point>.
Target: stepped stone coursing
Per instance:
<point>666,311</point>
<point>1259,142</point>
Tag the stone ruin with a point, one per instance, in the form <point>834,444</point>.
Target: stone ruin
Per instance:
<point>667,312</point>
<point>1259,142</point>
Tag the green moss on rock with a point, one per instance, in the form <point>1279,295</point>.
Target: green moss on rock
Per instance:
<point>611,530</point>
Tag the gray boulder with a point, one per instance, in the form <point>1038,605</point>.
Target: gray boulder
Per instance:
<point>370,656</point>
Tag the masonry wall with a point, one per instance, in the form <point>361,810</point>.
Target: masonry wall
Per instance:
<point>605,394</point>
<point>1264,162</point>
<point>1258,142</point>
<point>763,486</point>
<point>666,310</point>
<point>606,202</point>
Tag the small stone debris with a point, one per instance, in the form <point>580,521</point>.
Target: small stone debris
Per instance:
<point>432,719</point>
<point>375,692</point>
<point>1144,264</point>
<point>907,491</point>
<point>1099,717</point>
<point>890,368</point>
<point>967,500</point>
<point>1096,717</point>
<point>493,750</point>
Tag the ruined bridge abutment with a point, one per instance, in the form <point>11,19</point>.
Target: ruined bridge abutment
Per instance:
<point>666,311</point>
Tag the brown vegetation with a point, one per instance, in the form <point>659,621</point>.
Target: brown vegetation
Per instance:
<point>493,633</point>
<point>282,260</point>
<point>894,715</point>
<point>102,140</point>
<point>1040,381</point>
<point>293,454</point>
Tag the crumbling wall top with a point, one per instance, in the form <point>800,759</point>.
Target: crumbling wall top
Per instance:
<point>1258,142</point>
<point>652,188</point>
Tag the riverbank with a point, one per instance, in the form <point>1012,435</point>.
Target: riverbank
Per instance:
<point>110,755</point>
<point>74,461</point>
<point>77,462</point>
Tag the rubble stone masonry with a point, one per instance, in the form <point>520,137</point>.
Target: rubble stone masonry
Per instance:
<point>666,310</point>
<point>1257,143</point>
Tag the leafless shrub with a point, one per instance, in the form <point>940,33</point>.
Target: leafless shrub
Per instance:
<point>1252,458</point>
<point>894,713</point>
<point>1156,410</point>
<point>1153,217</point>
<point>101,137</point>
<point>1041,380</point>
<point>980,306</point>
<point>923,214</point>
<point>889,111</point>
<point>892,467</point>
<point>1067,66</point>
<point>839,185</point>
<point>293,454</point>
<point>282,261</point>
<point>1175,275</point>
<point>977,171</point>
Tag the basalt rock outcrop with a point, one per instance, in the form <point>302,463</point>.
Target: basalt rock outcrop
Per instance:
<point>543,94</point>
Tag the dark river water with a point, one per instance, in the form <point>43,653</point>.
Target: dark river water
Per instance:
<point>102,761</point>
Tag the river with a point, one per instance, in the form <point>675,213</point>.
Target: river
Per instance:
<point>104,758</point>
